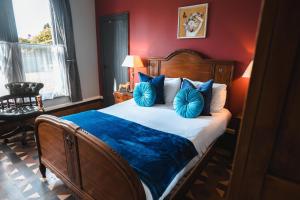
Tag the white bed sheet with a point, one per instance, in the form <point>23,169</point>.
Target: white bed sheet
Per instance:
<point>201,131</point>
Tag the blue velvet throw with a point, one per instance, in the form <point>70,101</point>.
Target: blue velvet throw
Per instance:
<point>155,156</point>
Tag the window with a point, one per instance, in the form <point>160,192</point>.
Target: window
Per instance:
<point>41,61</point>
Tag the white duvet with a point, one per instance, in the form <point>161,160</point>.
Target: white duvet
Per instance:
<point>201,131</point>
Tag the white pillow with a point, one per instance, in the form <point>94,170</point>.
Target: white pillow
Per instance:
<point>219,94</point>
<point>171,87</point>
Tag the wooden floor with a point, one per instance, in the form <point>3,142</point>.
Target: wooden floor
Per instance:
<point>21,179</point>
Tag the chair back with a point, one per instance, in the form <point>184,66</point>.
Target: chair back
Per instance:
<point>24,88</point>
<point>22,95</point>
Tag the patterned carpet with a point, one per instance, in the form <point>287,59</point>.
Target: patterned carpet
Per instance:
<point>20,177</point>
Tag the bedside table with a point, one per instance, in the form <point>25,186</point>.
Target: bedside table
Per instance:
<point>122,96</point>
<point>229,138</point>
<point>233,127</point>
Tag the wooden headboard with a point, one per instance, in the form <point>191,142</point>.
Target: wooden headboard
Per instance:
<point>191,64</point>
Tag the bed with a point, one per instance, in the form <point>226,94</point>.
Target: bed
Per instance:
<point>92,170</point>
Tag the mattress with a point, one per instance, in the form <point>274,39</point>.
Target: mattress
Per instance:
<point>201,131</point>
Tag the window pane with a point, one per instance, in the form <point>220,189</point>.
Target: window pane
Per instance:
<point>33,21</point>
<point>46,64</point>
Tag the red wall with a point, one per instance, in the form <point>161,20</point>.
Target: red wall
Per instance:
<point>231,32</point>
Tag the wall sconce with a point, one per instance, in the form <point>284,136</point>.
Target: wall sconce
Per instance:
<point>247,73</point>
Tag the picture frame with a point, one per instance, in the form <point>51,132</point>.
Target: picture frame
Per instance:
<point>192,21</point>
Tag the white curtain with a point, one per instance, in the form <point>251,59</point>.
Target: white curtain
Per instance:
<point>6,70</point>
<point>46,64</point>
<point>41,63</point>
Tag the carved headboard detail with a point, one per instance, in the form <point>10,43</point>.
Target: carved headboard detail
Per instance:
<point>191,64</point>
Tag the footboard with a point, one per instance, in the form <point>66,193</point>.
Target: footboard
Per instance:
<point>83,162</point>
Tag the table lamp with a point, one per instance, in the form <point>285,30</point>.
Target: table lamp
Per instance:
<point>132,62</point>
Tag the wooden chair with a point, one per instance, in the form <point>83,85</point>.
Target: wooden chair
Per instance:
<point>22,104</point>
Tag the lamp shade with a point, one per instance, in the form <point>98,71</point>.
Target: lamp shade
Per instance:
<point>132,61</point>
<point>247,73</point>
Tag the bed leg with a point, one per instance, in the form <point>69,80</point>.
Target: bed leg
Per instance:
<point>76,197</point>
<point>43,170</point>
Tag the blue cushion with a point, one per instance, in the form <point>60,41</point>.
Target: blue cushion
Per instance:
<point>188,103</point>
<point>158,83</point>
<point>144,94</point>
<point>206,91</point>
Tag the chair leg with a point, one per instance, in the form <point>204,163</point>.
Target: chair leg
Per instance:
<point>10,133</point>
<point>17,138</point>
<point>43,170</point>
<point>22,132</point>
<point>23,138</point>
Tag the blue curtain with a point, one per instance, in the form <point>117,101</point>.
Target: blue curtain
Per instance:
<point>8,33</point>
<point>63,34</point>
<point>8,28</point>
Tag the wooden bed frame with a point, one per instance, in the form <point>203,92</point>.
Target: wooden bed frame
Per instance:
<point>90,168</point>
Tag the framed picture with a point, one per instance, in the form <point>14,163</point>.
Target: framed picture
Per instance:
<point>192,21</point>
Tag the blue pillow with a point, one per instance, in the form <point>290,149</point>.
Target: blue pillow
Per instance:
<point>206,91</point>
<point>144,94</point>
<point>158,83</point>
<point>188,103</point>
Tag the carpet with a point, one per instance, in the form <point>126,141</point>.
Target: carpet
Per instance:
<point>20,177</point>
